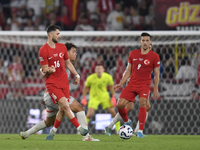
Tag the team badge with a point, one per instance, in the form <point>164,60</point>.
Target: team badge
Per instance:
<point>61,55</point>
<point>146,62</point>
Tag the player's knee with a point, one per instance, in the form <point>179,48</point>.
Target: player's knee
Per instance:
<point>49,123</point>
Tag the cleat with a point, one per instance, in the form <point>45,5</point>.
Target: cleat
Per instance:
<point>128,122</point>
<point>135,134</point>
<point>89,138</point>
<point>51,135</point>
<point>83,131</point>
<point>108,131</point>
<point>23,135</point>
<point>140,135</point>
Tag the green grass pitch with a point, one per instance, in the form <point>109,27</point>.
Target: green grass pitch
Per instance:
<point>73,142</point>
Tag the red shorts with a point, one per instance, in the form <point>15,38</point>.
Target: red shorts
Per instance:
<point>131,91</point>
<point>57,93</point>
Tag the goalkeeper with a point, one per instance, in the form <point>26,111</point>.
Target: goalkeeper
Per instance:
<point>97,82</point>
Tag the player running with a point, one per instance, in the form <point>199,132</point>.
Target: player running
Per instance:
<point>140,65</point>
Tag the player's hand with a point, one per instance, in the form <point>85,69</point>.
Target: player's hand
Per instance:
<point>52,69</point>
<point>113,101</point>
<point>77,81</point>
<point>155,93</point>
<point>84,101</point>
<point>116,87</point>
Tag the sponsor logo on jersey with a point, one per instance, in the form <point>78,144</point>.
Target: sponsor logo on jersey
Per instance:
<point>55,55</point>
<point>50,57</point>
<point>144,94</point>
<point>134,59</point>
<point>61,55</point>
<point>41,59</point>
<point>140,59</point>
<point>146,62</point>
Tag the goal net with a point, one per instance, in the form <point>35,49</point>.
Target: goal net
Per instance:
<point>22,86</point>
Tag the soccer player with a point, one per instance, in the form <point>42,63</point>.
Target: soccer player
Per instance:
<point>97,82</point>
<point>140,65</point>
<point>52,109</point>
<point>129,107</point>
<point>55,54</point>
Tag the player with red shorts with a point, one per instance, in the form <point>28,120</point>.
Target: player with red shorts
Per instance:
<point>57,84</point>
<point>140,65</point>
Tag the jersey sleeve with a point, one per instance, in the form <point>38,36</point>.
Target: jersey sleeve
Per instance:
<point>157,61</point>
<point>43,56</point>
<point>130,58</point>
<point>110,80</point>
<point>88,82</point>
<point>65,54</point>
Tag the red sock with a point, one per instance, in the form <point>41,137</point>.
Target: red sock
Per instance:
<point>57,123</point>
<point>123,114</point>
<point>142,117</point>
<point>74,122</point>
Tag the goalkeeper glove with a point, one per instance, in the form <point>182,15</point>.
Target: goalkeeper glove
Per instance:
<point>84,101</point>
<point>113,101</point>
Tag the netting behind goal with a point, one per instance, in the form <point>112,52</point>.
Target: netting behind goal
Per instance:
<point>175,112</point>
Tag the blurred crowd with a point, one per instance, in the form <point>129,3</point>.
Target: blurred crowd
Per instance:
<point>79,15</point>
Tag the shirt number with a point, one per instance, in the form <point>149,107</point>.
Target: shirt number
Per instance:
<point>139,65</point>
<point>57,64</point>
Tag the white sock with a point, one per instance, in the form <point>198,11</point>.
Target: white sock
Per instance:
<point>39,126</point>
<point>115,120</point>
<point>141,131</point>
<point>137,126</point>
<point>55,129</point>
<point>82,120</point>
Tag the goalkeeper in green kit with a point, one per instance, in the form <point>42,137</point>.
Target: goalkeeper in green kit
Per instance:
<point>97,82</point>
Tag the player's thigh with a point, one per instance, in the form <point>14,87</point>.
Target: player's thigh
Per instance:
<point>128,94</point>
<point>112,111</point>
<point>143,93</point>
<point>93,103</point>
<point>129,106</point>
<point>105,102</point>
<point>57,94</point>
<point>76,106</point>
<point>64,103</point>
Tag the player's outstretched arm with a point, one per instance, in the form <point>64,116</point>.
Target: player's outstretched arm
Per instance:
<point>73,71</point>
<point>127,74</point>
<point>156,81</point>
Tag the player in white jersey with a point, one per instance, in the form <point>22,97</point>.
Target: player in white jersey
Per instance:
<point>53,110</point>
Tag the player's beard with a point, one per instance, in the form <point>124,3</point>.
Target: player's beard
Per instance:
<point>54,40</point>
<point>145,48</point>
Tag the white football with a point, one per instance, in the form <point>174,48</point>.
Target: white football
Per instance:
<point>125,132</point>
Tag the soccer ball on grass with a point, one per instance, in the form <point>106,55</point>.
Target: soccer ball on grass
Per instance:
<point>125,132</point>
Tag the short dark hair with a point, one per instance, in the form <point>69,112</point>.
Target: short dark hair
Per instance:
<point>146,34</point>
<point>99,65</point>
<point>69,46</point>
<point>51,28</point>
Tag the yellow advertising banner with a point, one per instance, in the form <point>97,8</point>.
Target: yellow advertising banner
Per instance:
<point>177,15</point>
